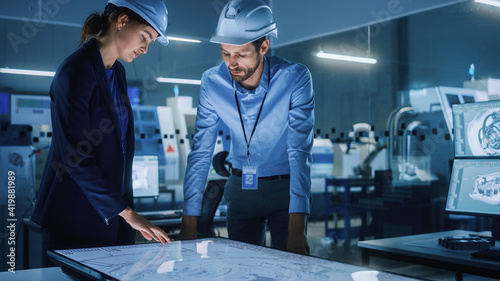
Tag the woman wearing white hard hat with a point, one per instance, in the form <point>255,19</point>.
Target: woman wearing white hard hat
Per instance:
<point>85,197</point>
<point>268,103</point>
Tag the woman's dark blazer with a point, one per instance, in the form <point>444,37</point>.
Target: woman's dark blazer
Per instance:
<point>87,177</point>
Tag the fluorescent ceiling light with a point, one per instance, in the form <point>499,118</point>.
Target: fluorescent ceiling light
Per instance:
<point>490,2</point>
<point>178,81</point>
<point>183,39</point>
<point>27,72</point>
<point>345,58</point>
<point>52,73</point>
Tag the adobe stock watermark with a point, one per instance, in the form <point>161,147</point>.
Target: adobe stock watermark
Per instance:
<point>11,221</point>
<point>149,80</point>
<point>31,26</point>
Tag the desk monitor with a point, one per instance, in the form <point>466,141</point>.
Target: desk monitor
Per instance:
<point>477,129</point>
<point>205,259</point>
<point>475,189</point>
<point>145,176</point>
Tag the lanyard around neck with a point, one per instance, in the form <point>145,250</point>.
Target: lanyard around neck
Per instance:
<point>258,115</point>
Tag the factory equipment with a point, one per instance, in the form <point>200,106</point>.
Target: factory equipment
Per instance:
<point>420,133</point>
<point>34,110</point>
<point>440,99</point>
<point>364,169</point>
<point>170,144</point>
<point>322,154</point>
<point>360,147</point>
<point>155,135</point>
<point>489,85</point>
<point>184,116</point>
<point>167,131</point>
<point>322,164</point>
<point>419,156</point>
<point>184,119</point>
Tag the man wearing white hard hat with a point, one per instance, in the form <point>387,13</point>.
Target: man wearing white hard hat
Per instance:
<point>268,104</point>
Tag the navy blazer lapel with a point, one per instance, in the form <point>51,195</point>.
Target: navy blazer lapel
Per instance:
<point>122,87</point>
<point>101,77</point>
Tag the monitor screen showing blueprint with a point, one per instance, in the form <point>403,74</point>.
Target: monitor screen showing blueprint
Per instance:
<point>476,128</point>
<point>475,187</point>
<point>206,259</point>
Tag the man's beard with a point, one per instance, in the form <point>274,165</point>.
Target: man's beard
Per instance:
<point>247,72</point>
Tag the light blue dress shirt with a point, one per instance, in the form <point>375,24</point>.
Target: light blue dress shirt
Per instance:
<point>282,141</point>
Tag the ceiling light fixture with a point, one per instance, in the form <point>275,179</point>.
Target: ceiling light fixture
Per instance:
<point>183,39</point>
<point>52,73</point>
<point>27,72</point>
<point>345,58</point>
<point>178,81</point>
<point>490,2</point>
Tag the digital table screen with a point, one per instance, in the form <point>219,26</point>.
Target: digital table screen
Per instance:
<point>208,259</point>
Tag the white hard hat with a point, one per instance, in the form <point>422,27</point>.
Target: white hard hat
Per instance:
<point>244,21</point>
<point>153,11</point>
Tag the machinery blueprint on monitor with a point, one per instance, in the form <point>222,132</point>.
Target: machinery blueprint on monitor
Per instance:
<point>477,129</point>
<point>475,187</point>
<point>210,259</point>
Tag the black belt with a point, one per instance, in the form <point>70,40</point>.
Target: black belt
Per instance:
<point>238,172</point>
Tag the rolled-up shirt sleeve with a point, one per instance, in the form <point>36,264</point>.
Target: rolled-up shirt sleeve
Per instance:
<point>300,142</point>
<point>198,162</point>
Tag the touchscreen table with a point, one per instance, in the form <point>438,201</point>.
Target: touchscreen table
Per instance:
<point>205,259</point>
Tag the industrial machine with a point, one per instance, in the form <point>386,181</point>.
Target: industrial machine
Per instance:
<point>489,85</point>
<point>359,155</point>
<point>420,133</point>
<point>155,135</point>
<point>419,157</point>
<point>34,110</point>
<point>166,131</point>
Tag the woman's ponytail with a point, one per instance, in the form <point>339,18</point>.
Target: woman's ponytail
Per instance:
<point>98,24</point>
<point>94,24</point>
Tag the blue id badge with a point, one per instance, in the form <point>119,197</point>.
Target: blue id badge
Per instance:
<point>249,178</point>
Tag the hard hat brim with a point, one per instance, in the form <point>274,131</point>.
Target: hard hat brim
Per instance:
<point>162,39</point>
<point>241,41</point>
<point>161,36</point>
<point>229,41</point>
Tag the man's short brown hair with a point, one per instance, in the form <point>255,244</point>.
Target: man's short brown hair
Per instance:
<point>257,43</point>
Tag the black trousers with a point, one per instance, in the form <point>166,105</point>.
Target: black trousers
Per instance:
<point>250,211</point>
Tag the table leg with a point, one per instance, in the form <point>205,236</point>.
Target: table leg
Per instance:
<point>26,251</point>
<point>458,276</point>
<point>365,258</point>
